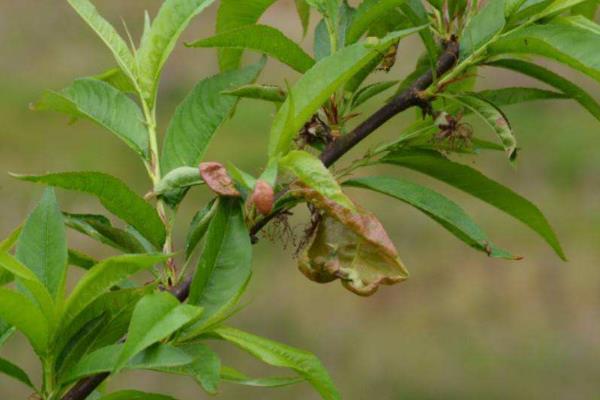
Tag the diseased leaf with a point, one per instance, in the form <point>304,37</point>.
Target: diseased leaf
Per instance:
<point>487,23</point>
<point>114,195</point>
<point>234,14</point>
<point>15,372</point>
<point>270,93</point>
<point>99,227</point>
<point>279,355</point>
<point>439,208</point>
<point>154,318</point>
<point>264,39</point>
<point>550,78</point>
<point>493,117</point>
<point>224,267</point>
<point>475,183</point>
<point>17,310</point>
<point>350,245</point>
<point>233,376</point>
<point>317,85</point>
<point>263,197</point>
<point>103,104</point>
<point>42,245</point>
<point>366,15</point>
<point>108,34</point>
<point>102,277</point>
<point>576,47</point>
<point>173,187</point>
<point>199,116</point>
<point>217,179</point>
<point>104,360</point>
<point>172,18</point>
<point>312,173</point>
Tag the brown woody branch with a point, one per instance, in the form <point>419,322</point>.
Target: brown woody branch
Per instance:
<point>407,99</point>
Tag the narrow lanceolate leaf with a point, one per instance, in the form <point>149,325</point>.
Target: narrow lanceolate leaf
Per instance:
<point>558,6</point>
<point>233,376</point>
<point>105,359</point>
<point>104,276</point>
<point>10,241</point>
<point>279,355</point>
<point>550,78</point>
<point>224,267</point>
<point>155,318</point>
<point>102,103</point>
<point>587,9</point>
<point>100,228</point>
<point>303,10</point>
<point>135,395</point>
<point>270,93</point>
<point>114,195</point>
<point>312,173</point>
<point>264,39</point>
<point>482,28</point>
<point>199,227</point>
<point>205,366</point>
<point>580,22</point>
<point>417,14</point>
<point>199,116</point>
<point>14,371</point>
<point>108,34</point>
<point>370,91</point>
<point>576,47</point>
<point>173,17</point>
<point>6,331</point>
<point>234,14</point>
<point>493,117</point>
<point>439,208</point>
<point>475,183</point>
<point>117,79</point>
<point>17,310</point>
<point>315,87</point>
<point>366,15</point>
<point>517,95</point>
<point>42,245</point>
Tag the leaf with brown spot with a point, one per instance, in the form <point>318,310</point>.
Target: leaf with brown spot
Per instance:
<point>352,246</point>
<point>263,197</point>
<point>218,180</point>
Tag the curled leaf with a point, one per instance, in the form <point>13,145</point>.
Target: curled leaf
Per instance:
<point>263,197</point>
<point>218,180</point>
<point>352,246</point>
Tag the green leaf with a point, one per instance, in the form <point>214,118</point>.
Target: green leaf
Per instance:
<point>15,372</point>
<point>224,267</point>
<point>108,34</point>
<point>550,78</point>
<point>369,91</point>
<point>439,208</point>
<point>103,104</point>
<point>99,227</point>
<point>318,84</point>
<point>578,21</point>
<point>303,10</point>
<point>10,241</point>
<point>135,395</point>
<point>81,260</point>
<point>154,318</point>
<point>199,116</point>
<point>17,310</point>
<point>517,95</point>
<point>204,368</point>
<point>234,14</point>
<point>199,227</point>
<point>270,93</point>
<point>114,195</point>
<point>117,79</point>
<point>233,376</point>
<point>482,28</point>
<point>42,245</point>
<point>171,20</point>
<point>558,6</point>
<point>264,39</point>
<point>178,179</point>
<point>105,359</point>
<point>6,331</point>
<point>311,172</point>
<point>102,277</point>
<point>279,355</point>
<point>576,47</point>
<point>493,117</point>
<point>417,14</point>
<point>366,15</point>
<point>476,184</point>
<point>587,8</point>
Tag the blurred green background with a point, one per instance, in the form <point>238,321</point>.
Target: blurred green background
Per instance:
<point>464,326</point>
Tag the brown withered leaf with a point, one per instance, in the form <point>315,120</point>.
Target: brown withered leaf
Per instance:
<point>217,179</point>
<point>263,197</point>
<point>351,246</point>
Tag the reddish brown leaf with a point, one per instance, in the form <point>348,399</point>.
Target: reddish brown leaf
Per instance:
<point>216,177</point>
<point>263,197</point>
